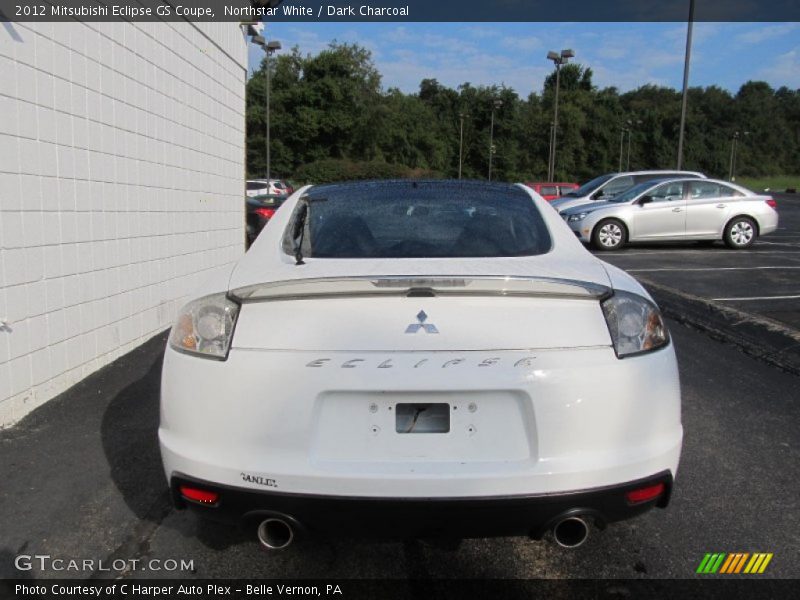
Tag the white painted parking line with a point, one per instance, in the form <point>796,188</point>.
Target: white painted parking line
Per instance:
<point>791,244</point>
<point>756,298</point>
<point>683,270</point>
<point>706,252</point>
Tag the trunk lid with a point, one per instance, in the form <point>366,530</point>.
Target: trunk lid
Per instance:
<point>424,305</point>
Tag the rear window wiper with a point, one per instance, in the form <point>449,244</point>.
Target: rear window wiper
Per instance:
<point>299,231</point>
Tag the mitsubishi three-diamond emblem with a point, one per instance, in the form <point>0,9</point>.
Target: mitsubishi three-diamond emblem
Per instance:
<point>427,327</point>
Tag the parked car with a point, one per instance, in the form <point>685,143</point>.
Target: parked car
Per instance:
<point>409,359</point>
<point>610,185</point>
<point>260,209</point>
<point>676,209</point>
<point>262,187</point>
<point>551,191</point>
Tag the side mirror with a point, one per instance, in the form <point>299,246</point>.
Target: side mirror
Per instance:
<point>645,200</point>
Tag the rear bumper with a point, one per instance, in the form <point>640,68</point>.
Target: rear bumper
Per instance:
<point>399,518</point>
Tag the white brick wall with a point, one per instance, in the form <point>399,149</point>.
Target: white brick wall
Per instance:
<point>121,187</point>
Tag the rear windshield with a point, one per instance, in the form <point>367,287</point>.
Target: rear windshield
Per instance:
<point>255,185</point>
<point>417,220</point>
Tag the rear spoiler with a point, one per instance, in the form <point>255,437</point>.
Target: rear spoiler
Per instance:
<point>402,285</point>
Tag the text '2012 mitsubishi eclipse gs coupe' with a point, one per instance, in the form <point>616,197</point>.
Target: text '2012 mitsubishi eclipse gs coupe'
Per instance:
<point>420,359</point>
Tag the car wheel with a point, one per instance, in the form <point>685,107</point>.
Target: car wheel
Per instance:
<point>740,233</point>
<point>609,235</point>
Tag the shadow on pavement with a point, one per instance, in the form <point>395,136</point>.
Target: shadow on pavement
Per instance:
<point>130,444</point>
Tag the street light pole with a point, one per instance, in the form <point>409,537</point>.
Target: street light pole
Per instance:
<point>558,60</point>
<point>628,159</point>
<point>267,112</point>
<point>684,99</point>
<point>555,124</point>
<point>550,150</point>
<point>622,131</point>
<point>495,104</point>
<point>269,48</point>
<point>630,133</point>
<point>460,141</point>
<point>734,150</point>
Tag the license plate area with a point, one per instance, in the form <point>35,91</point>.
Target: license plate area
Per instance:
<point>420,417</point>
<point>359,430</point>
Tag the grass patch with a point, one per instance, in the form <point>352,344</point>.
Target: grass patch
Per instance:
<point>777,183</point>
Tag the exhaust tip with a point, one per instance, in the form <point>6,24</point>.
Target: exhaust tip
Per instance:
<point>275,534</point>
<point>571,532</point>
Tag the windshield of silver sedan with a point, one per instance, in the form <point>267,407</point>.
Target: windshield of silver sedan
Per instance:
<point>416,219</point>
<point>632,193</point>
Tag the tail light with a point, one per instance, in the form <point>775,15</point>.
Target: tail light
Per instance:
<point>198,495</point>
<point>635,324</point>
<point>645,494</point>
<point>265,212</point>
<point>772,203</point>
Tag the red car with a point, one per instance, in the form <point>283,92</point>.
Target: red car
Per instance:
<point>551,191</point>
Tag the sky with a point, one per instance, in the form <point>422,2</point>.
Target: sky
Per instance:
<point>624,55</point>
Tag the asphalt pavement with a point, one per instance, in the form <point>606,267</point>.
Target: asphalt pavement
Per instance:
<point>81,478</point>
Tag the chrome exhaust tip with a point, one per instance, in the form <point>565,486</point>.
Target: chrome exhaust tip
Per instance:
<point>275,534</point>
<point>571,532</point>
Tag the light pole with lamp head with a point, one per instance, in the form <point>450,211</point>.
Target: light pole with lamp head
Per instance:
<point>495,105</point>
<point>630,133</point>
<point>622,131</point>
<point>685,97</point>
<point>269,48</point>
<point>734,144</point>
<point>558,60</point>
<point>461,117</point>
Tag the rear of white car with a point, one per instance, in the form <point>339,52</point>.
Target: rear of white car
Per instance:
<point>503,390</point>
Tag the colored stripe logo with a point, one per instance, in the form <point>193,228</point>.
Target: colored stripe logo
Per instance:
<point>734,563</point>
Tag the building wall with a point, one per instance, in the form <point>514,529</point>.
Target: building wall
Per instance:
<point>121,186</point>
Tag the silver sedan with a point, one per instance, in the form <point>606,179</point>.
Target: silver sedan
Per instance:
<point>675,209</point>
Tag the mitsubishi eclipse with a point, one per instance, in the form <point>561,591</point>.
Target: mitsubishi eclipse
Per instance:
<point>420,359</point>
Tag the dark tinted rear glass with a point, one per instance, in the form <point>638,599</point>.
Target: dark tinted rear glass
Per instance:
<point>418,220</point>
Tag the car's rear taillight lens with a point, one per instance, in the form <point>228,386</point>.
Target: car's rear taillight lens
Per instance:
<point>772,203</point>
<point>645,494</point>
<point>265,212</point>
<point>198,495</point>
<point>205,326</point>
<point>635,324</point>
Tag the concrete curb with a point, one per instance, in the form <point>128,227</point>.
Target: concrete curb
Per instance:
<point>761,337</point>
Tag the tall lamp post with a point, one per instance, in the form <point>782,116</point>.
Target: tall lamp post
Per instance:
<point>630,133</point>
<point>558,60</point>
<point>685,97</point>
<point>495,105</point>
<point>269,48</point>
<point>461,117</point>
<point>734,144</point>
<point>622,131</point>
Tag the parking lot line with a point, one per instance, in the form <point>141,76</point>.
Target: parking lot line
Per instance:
<point>683,269</point>
<point>706,252</point>
<point>780,243</point>
<point>756,298</point>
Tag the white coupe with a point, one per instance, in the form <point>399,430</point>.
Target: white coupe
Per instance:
<point>420,359</point>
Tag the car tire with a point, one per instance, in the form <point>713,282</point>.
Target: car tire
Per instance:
<point>740,233</point>
<point>609,234</point>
